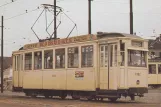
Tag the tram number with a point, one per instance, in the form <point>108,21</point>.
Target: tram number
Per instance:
<point>137,74</point>
<point>53,75</point>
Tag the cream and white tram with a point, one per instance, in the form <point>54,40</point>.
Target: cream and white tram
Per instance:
<point>105,65</point>
<point>154,77</point>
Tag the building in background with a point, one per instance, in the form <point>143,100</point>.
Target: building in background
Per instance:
<point>155,48</point>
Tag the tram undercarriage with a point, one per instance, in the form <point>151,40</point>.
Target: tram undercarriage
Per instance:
<point>112,95</point>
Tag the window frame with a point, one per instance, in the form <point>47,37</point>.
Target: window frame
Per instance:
<point>22,61</point>
<point>155,69</point>
<point>159,71</point>
<point>122,54</point>
<point>142,53</point>
<point>92,56</point>
<point>34,59</point>
<point>68,56</point>
<point>56,58</point>
<point>15,63</point>
<point>52,59</point>
<point>25,61</point>
<point>103,56</point>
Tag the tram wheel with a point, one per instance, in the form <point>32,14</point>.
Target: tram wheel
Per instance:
<point>47,96</point>
<point>89,98</point>
<point>63,96</point>
<point>132,97</point>
<point>33,96</point>
<point>113,99</point>
<point>75,97</point>
<point>98,99</point>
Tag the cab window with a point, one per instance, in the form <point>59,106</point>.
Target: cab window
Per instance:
<point>136,58</point>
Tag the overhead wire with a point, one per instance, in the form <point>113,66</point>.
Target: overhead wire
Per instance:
<point>12,1</point>
<point>26,12</point>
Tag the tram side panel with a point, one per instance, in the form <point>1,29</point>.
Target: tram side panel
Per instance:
<point>32,79</point>
<point>152,75</point>
<point>84,78</point>
<point>54,80</point>
<point>81,79</point>
<point>121,78</point>
<point>137,78</point>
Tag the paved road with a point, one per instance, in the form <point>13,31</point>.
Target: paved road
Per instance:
<point>8,99</point>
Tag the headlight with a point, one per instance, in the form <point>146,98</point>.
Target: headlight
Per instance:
<point>137,82</point>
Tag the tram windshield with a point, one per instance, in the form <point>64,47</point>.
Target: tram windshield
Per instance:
<point>136,58</point>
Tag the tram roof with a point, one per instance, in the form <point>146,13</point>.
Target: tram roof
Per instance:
<point>115,34</point>
<point>75,39</point>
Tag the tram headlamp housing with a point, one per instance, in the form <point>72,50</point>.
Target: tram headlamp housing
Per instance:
<point>138,82</point>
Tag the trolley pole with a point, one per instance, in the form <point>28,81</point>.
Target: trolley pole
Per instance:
<point>89,16</point>
<point>2,56</point>
<point>55,29</point>
<point>131,17</point>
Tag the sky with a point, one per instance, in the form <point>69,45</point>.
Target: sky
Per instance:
<point>107,16</point>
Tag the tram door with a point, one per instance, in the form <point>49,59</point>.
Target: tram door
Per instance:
<point>17,78</point>
<point>152,77</point>
<point>113,67</point>
<point>108,77</point>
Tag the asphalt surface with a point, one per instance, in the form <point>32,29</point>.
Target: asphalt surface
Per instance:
<point>9,99</point>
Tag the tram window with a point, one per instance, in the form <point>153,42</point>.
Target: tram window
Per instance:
<point>60,58</point>
<point>28,61</point>
<point>87,56</point>
<point>122,58</point>
<point>73,57</point>
<point>136,58</point>
<point>18,63</point>
<point>115,55</point>
<point>106,56</point>
<point>152,69</point>
<point>102,56</point>
<point>15,63</point>
<point>111,55</point>
<point>48,59</point>
<point>159,68</point>
<point>21,62</point>
<point>37,60</point>
<point>122,48</point>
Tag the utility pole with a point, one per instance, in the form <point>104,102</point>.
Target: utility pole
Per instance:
<point>89,16</point>
<point>55,29</point>
<point>2,56</point>
<point>131,17</point>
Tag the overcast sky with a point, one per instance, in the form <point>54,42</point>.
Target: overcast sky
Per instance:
<point>107,16</point>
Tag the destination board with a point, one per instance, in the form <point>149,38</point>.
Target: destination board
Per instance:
<point>61,41</point>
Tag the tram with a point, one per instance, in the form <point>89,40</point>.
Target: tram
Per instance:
<point>104,65</point>
<point>154,76</point>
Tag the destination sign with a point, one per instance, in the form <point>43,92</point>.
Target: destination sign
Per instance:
<point>137,43</point>
<point>61,41</point>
